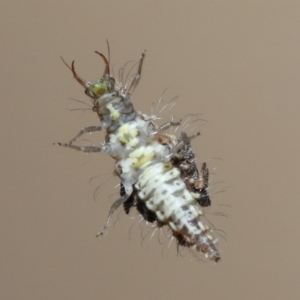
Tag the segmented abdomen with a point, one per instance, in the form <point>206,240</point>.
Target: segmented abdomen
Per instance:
<point>165,194</point>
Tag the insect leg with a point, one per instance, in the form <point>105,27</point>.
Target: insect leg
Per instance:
<point>87,149</point>
<point>114,206</point>
<point>164,127</point>
<point>87,129</point>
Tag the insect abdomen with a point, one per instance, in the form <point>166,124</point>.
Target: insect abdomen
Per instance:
<point>164,193</point>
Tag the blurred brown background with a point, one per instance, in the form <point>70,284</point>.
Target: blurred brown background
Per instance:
<point>237,62</point>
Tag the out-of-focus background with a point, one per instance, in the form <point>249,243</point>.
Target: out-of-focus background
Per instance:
<point>236,62</point>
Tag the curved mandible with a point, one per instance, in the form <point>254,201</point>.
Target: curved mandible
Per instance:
<point>106,70</point>
<point>81,81</point>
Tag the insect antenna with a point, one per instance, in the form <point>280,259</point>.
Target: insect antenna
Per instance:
<point>108,51</point>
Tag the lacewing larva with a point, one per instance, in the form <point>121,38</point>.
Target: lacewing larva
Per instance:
<point>158,171</point>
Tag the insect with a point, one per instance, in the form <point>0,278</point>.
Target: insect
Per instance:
<point>158,171</point>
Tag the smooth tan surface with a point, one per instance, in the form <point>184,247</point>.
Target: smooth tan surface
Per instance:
<point>238,63</point>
